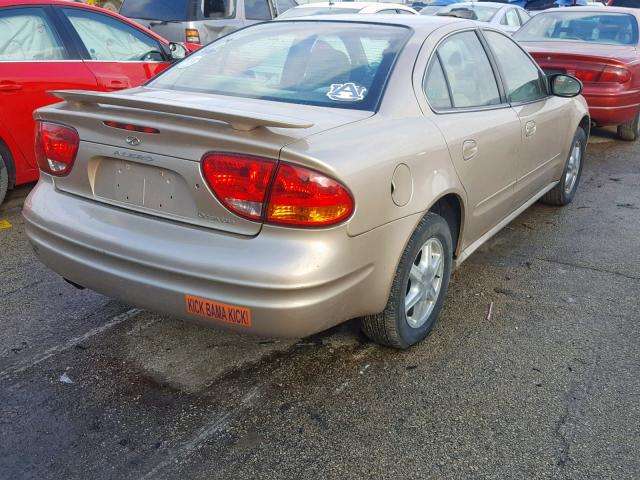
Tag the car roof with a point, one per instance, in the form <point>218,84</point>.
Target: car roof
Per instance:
<point>358,5</point>
<point>67,3</point>
<point>423,24</point>
<point>600,10</point>
<point>482,4</point>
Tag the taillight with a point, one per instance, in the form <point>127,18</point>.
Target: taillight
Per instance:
<point>289,195</point>
<point>589,73</point>
<point>615,74</point>
<point>240,182</point>
<point>303,197</point>
<point>192,35</point>
<point>56,147</point>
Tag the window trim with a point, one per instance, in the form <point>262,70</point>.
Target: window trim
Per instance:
<point>69,54</point>
<point>84,55</point>
<point>496,74</point>
<point>541,75</point>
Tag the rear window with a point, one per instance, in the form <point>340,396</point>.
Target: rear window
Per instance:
<point>163,10</point>
<point>481,13</point>
<point>608,28</point>
<point>308,11</point>
<point>333,64</point>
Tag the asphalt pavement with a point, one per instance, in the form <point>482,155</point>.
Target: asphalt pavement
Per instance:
<point>547,386</point>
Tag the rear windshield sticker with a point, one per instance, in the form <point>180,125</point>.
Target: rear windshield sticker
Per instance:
<point>346,92</point>
<point>187,62</point>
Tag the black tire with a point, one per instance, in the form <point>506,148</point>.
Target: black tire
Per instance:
<point>559,195</point>
<point>630,131</point>
<point>4,175</point>
<point>391,327</point>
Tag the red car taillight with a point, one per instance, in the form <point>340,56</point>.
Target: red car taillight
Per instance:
<point>56,147</point>
<point>289,195</point>
<point>589,73</point>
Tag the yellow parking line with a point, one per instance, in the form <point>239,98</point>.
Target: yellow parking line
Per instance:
<point>5,225</point>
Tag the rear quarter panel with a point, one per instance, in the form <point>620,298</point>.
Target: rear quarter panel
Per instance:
<point>364,155</point>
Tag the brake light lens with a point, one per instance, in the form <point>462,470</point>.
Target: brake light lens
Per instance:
<point>240,182</point>
<point>589,73</point>
<point>56,147</point>
<point>303,197</point>
<point>131,128</point>
<point>192,35</point>
<point>615,74</point>
<point>287,195</point>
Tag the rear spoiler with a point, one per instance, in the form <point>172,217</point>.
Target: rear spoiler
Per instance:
<point>237,119</point>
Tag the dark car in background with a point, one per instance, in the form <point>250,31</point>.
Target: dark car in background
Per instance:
<point>201,21</point>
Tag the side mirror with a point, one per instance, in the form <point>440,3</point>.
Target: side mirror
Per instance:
<point>177,51</point>
<point>565,85</point>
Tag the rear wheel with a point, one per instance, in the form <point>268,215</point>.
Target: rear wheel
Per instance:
<point>419,287</point>
<point>630,131</point>
<point>565,190</point>
<point>4,175</point>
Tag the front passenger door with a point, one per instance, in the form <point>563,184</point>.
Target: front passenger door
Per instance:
<point>119,55</point>
<point>544,131</point>
<point>482,132</point>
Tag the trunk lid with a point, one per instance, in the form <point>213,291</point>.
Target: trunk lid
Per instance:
<point>159,173</point>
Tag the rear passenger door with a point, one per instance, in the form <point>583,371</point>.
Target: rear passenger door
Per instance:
<point>542,116</point>
<point>481,130</point>
<point>119,55</point>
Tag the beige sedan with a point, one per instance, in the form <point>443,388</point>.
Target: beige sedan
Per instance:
<point>296,174</point>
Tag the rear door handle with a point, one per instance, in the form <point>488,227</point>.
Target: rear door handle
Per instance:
<point>530,128</point>
<point>10,87</point>
<point>115,84</point>
<point>469,149</point>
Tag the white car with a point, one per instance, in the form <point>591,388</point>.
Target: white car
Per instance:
<point>505,16</point>
<point>328,8</point>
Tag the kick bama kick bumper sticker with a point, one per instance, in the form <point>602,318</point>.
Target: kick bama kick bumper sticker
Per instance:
<point>221,312</point>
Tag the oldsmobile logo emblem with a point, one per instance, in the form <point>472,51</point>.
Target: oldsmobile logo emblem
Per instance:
<point>133,141</point>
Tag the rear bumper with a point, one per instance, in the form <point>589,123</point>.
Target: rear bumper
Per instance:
<point>295,282</point>
<point>612,108</point>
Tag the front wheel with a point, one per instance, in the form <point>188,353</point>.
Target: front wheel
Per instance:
<point>419,287</point>
<point>630,131</point>
<point>565,190</point>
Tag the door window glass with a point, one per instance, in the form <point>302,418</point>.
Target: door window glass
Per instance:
<point>435,85</point>
<point>511,18</point>
<point>27,35</point>
<point>219,8</point>
<point>257,10</point>
<point>468,71</point>
<point>521,74</point>
<point>109,39</point>
<point>524,16</point>
<point>284,5</point>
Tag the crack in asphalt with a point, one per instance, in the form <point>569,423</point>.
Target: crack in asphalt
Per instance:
<point>585,267</point>
<point>565,427</point>
<point>71,343</point>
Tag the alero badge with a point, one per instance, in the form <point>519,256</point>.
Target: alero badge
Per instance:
<point>346,92</point>
<point>221,312</point>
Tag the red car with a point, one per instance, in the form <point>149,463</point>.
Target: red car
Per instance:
<point>600,47</point>
<point>54,44</point>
